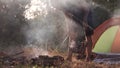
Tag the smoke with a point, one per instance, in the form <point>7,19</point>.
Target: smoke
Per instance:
<point>33,23</point>
<point>19,31</point>
<point>46,25</point>
<point>47,22</point>
<point>31,52</point>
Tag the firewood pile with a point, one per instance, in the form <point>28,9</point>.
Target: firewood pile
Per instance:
<point>44,61</point>
<point>41,60</point>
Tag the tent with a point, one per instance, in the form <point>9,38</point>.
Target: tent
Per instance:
<point>108,26</point>
<point>109,41</point>
<point>106,40</point>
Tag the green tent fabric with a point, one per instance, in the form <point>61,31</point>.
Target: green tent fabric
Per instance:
<point>104,43</point>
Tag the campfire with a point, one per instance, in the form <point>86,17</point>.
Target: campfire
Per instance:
<point>30,56</point>
<point>54,61</point>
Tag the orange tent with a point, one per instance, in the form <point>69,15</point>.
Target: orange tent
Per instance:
<point>106,38</point>
<point>100,29</point>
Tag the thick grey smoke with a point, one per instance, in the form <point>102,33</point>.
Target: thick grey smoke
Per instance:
<point>46,20</point>
<point>46,25</point>
<point>33,23</point>
<point>19,31</point>
<point>45,30</point>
